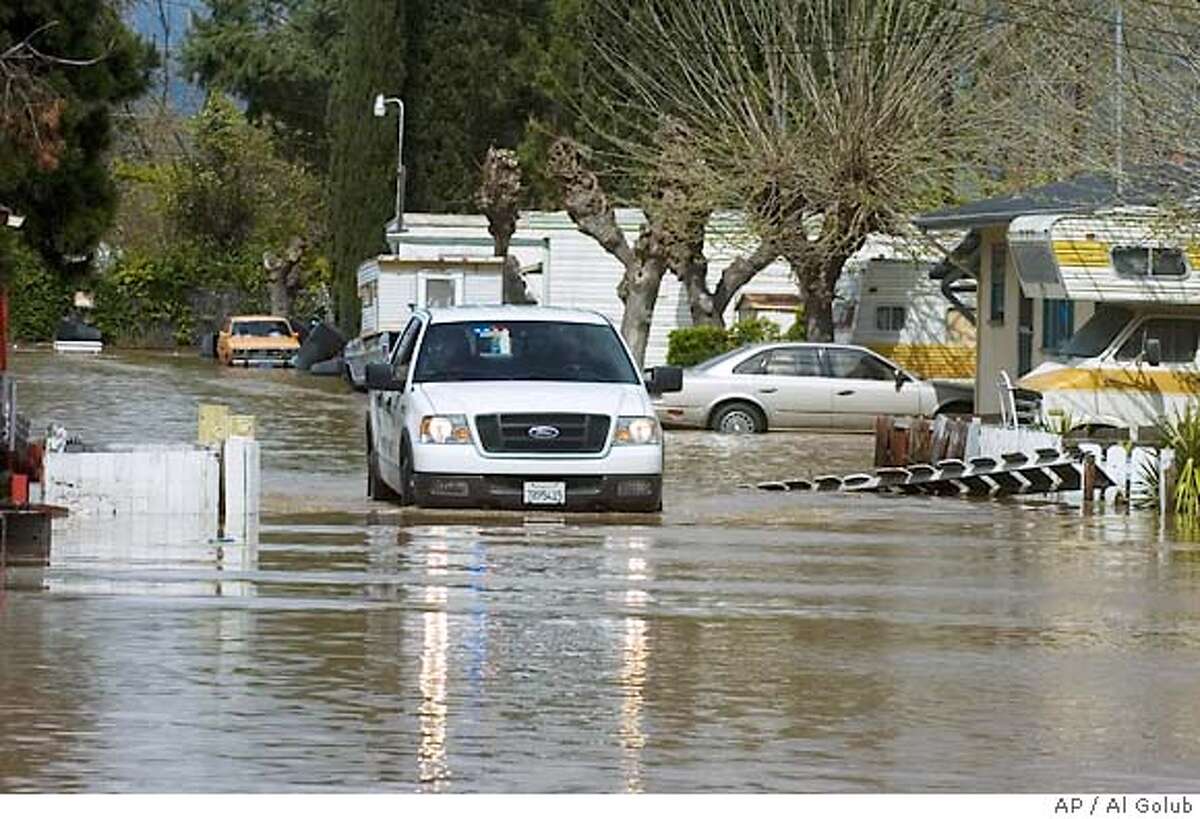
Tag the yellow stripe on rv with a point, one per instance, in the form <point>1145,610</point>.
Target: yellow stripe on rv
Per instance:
<point>1193,256</point>
<point>1120,379</point>
<point>932,360</point>
<point>1081,253</point>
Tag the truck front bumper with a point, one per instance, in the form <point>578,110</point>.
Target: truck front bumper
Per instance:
<point>584,493</point>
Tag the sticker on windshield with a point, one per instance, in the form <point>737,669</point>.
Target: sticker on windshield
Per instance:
<point>493,341</point>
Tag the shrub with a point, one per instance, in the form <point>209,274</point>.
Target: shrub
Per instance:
<point>688,346</point>
<point>691,345</point>
<point>799,329</point>
<point>38,297</point>
<point>753,331</point>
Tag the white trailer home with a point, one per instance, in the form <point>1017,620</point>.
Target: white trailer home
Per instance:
<point>564,268</point>
<point>886,300</point>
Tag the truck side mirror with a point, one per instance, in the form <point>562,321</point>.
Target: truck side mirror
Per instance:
<point>382,378</point>
<point>664,379</point>
<point>1152,351</point>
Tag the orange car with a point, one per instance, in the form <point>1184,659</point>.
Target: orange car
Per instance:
<point>257,340</point>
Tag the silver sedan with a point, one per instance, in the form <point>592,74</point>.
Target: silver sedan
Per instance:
<point>802,386</point>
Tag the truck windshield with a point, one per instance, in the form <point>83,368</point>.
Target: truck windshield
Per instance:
<point>1094,337</point>
<point>523,351</point>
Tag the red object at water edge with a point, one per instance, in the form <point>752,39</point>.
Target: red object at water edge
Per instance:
<point>19,493</point>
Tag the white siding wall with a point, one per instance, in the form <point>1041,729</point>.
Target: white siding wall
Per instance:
<point>482,288</point>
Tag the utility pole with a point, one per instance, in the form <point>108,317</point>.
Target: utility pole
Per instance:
<point>1119,37</point>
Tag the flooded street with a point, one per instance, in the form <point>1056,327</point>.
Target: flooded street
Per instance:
<point>744,641</point>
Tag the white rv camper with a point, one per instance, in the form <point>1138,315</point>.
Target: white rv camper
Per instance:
<point>1136,361</point>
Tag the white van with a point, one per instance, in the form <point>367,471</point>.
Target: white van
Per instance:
<point>1128,366</point>
<point>515,407</point>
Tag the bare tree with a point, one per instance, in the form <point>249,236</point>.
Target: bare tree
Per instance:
<point>498,197</point>
<point>821,121</point>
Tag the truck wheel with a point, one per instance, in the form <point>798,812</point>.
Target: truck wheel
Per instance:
<point>407,495</point>
<point>377,490</point>
<point>739,418</point>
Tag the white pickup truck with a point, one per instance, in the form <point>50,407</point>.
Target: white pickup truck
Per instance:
<point>517,408</point>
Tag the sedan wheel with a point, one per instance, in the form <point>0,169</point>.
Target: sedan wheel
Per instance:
<point>739,419</point>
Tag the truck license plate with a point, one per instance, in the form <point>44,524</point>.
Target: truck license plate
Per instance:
<point>545,493</point>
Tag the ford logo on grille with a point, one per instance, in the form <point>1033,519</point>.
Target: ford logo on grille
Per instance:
<point>543,433</point>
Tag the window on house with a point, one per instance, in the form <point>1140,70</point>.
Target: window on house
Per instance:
<point>999,275</point>
<point>889,319</point>
<point>1058,323</point>
<point>1136,260</point>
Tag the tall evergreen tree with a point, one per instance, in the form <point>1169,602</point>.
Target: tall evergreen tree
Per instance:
<point>78,61</point>
<point>280,57</point>
<point>372,60</point>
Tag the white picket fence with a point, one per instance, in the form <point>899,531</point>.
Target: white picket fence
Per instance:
<point>1128,467</point>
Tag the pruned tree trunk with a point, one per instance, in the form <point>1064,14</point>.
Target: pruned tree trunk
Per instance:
<point>708,307</point>
<point>593,213</point>
<point>284,277</point>
<point>817,279</point>
<point>498,197</point>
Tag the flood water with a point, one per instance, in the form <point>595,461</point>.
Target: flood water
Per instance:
<point>744,641</point>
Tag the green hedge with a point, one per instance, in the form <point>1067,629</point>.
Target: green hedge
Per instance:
<point>688,346</point>
<point>38,297</point>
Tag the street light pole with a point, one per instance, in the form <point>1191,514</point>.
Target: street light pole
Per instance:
<point>381,103</point>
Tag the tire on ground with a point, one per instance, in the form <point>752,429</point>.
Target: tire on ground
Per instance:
<point>738,417</point>
<point>377,490</point>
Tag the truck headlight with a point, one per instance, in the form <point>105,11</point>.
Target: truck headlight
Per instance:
<point>445,429</point>
<point>637,429</point>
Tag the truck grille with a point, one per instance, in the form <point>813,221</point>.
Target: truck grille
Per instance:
<point>551,432</point>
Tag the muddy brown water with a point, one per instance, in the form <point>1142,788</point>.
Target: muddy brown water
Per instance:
<point>744,641</point>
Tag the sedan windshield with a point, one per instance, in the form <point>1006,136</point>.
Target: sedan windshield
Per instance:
<point>523,351</point>
<point>262,327</point>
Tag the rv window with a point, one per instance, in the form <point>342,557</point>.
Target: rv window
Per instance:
<point>1133,260</point>
<point>1178,337</point>
<point>1098,332</point>
<point>889,319</point>
<point>1167,261</point>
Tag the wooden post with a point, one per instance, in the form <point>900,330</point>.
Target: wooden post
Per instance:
<point>883,436</point>
<point>1089,479</point>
